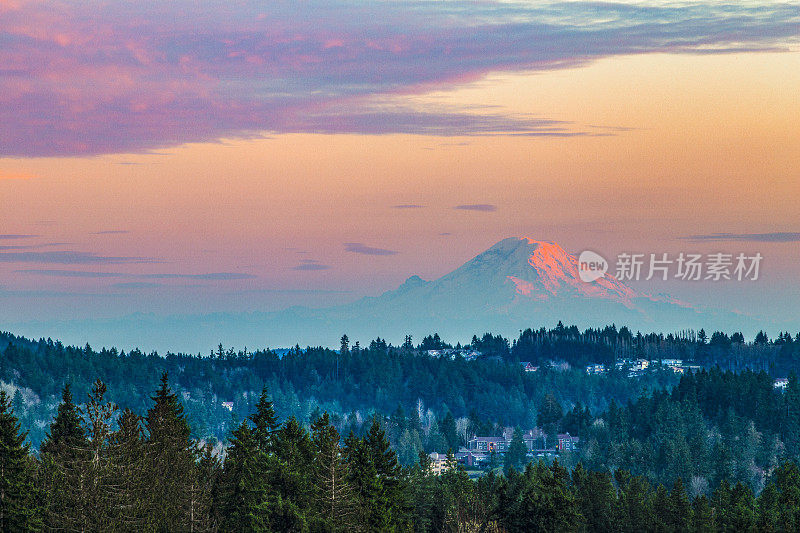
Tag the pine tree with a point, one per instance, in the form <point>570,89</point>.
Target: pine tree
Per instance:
<point>63,468</point>
<point>245,492</point>
<point>367,485</point>
<point>333,495</point>
<point>170,465</point>
<point>128,485</point>
<point>680,510</point>
<point>291,477</point>
<point>96,466</point>
<point>266,423</point>
<point>702,516</point>
<point>18,511</point>
<point>517,453</point>
<point>391,506</point>
<point>66,431</point>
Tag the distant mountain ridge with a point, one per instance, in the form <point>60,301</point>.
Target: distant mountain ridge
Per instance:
<point>516,284</point>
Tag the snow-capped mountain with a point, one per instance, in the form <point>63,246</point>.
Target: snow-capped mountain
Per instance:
<point>518,283</point>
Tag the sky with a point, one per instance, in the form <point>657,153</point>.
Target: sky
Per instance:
<point>196,157</point>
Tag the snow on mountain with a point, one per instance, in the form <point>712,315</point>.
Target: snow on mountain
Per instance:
<point>518,283</point>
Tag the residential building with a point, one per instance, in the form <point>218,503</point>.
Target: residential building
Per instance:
<point>781,383</point>
<point>596,369</point>
<point>489,444</point>
<point>438,463</point>
<point>566,442</point>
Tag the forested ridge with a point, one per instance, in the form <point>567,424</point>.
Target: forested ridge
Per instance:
<point>722,439</point>
<point>149,475</point>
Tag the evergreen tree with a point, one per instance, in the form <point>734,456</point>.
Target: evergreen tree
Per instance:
<point>291,477</point>
<point>517,453</point>
<point>97,469</point>
<point>702,516</point>
<point>245,493</point>
<point>680,509</point>
<point>173,504</point>
<point>127,489</point>
<point>266,423</point>
<point>18,511</point>
<point>62,472</point>
<point>394,498</point>
<point>333,495</point>
<point>367,486</point>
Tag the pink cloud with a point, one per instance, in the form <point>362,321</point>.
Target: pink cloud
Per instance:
<point>89,78</point>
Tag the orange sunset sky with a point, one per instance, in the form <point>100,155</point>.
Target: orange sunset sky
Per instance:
<point>121,192</point>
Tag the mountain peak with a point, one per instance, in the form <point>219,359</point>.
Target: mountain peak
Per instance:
<point>543,270</point>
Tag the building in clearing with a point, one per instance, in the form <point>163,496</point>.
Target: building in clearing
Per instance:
<point>438,463</point>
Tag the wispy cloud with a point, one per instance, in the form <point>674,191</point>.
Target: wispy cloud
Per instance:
<point>68,258</point>
<point>111,232</point>
<point>407,206</point>
<point>359,248</point>
<point>69,273</point>
<point>213,276</point>
<point>80,78</point>
<point>136,285</point>
<point>750,237</point>
<point>477,207</point>
<point>15,236</point>
<point>310,267</point>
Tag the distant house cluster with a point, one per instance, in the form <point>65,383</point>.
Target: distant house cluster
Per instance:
<point>637,367</point>
<point>558,366</point>
<point>781,383</point>
<point>479,449</point>
<point>451,353</point>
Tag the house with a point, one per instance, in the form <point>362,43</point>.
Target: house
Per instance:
<point>488,444</point>
<point>438,463</point>
<point>471,458</point>
<point>596,369</point>
<point>634,365</point>
<point>781,383</point>
<point>528,367</point>
<point>559,366</point>
<point>228,405</point>
<point>566,442</point>
<point>676,369</point>
<point>470,355</point>
<point>672,362</point>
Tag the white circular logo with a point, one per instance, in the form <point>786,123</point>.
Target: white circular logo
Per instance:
<point>591,266</point>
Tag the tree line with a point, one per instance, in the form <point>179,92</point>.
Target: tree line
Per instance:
<point>147,474</point>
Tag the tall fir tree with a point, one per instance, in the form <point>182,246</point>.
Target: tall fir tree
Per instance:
<point>333,496</point>
<point>18,509</point>
<point>266,423</point>
<point>128,486</point>
<point>170,465</point>
<point>63,467</point>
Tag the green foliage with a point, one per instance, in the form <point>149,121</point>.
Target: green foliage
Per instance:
<point>18,509</point>
<point>516,455</point>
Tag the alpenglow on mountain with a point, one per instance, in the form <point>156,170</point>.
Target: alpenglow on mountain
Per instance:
<point>516,284</point>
